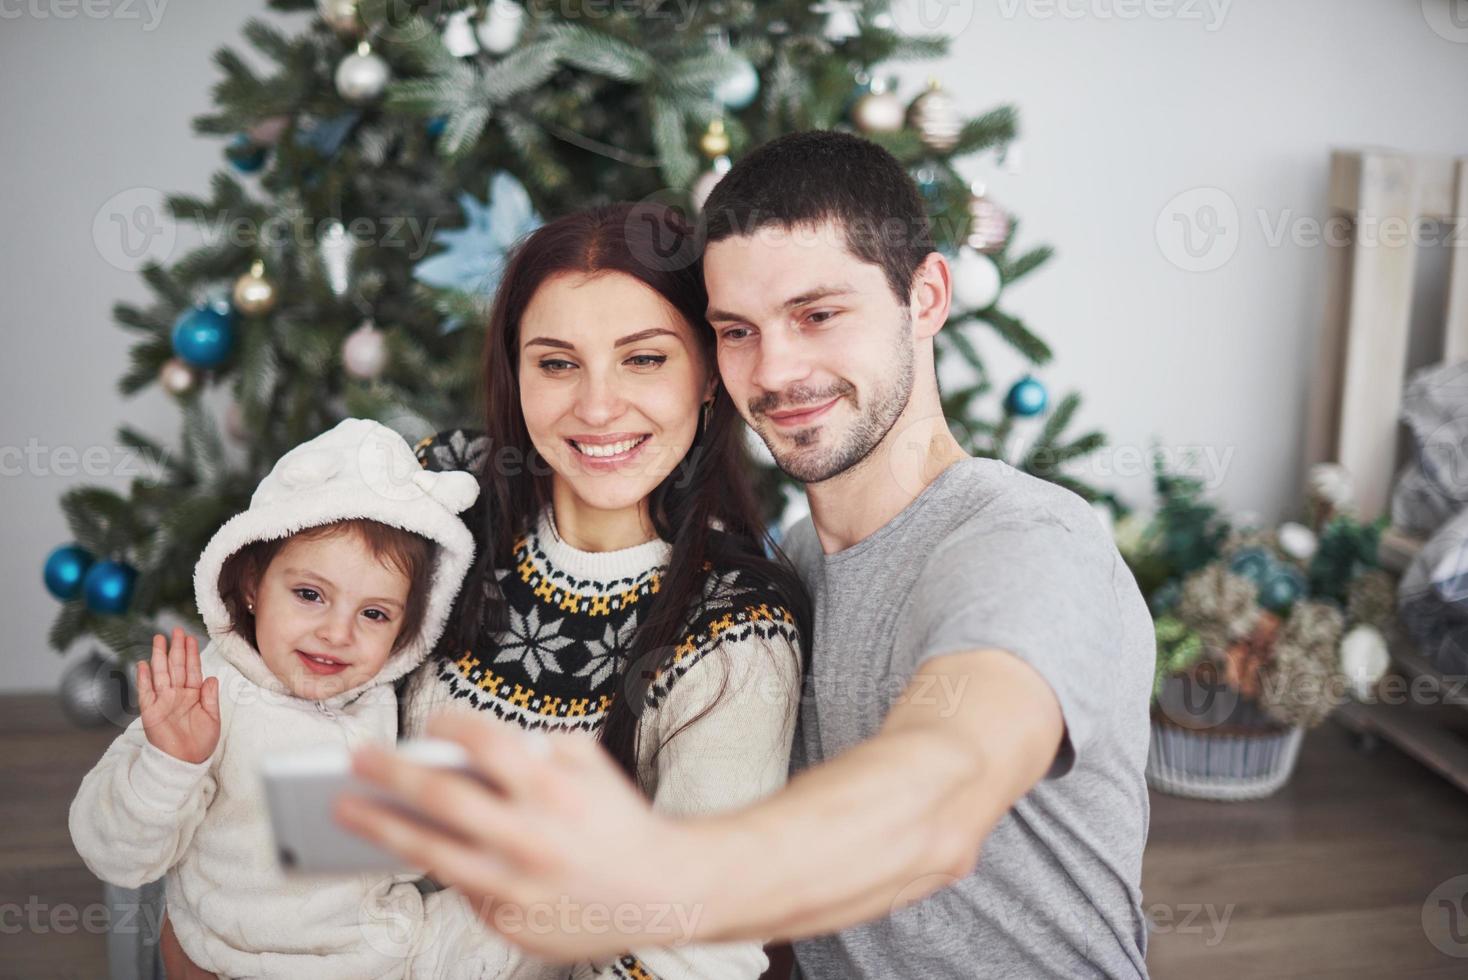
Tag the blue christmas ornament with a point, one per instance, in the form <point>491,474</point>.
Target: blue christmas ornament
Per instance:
<point>1281,588</point>
<point>1254,564</point>
<point>473,257</point>
<point>1027,397</point>
<point>738,90</point>
<point>204,335</point>
<point>1165,596</point>
<point>928,183</point>
<point>66,566</point>
<point>436,125</point>
<point>245,154</point>
<point>108,587</point>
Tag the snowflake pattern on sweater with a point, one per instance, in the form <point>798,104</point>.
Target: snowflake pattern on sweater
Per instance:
<point>564,656</point>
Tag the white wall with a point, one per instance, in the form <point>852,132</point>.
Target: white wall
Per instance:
<point>1120,115</point>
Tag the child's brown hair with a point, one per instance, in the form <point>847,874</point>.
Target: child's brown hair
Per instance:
<point>409,553</point>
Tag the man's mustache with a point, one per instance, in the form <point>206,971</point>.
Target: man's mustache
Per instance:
<point>798,396</point>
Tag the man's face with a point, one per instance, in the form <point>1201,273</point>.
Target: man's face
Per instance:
<point>813,346</point>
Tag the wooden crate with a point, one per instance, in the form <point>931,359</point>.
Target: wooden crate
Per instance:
<point>1356,391</point>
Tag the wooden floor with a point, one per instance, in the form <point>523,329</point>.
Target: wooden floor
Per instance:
<point>1327,879</point>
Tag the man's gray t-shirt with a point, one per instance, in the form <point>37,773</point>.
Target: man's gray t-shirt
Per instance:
<point>989,557</point>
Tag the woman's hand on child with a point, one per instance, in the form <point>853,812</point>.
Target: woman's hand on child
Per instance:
<point>180,707</point>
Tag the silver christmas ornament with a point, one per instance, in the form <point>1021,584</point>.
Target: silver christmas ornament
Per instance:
<point>934,115</point>
<point>362,77</point>
<point>704,185</point>
<point>96,692</point>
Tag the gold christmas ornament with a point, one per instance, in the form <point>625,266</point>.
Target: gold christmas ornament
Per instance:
<point>340,16</point>
<point>988,224</point>
<point>934,115</point>
<point>254,295</point>
<point>880,110</point>
<point>714,143</point>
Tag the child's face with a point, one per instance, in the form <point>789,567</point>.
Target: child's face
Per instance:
<point>327,613</point>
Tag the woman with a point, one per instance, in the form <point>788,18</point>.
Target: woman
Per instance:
<point>622,586</point>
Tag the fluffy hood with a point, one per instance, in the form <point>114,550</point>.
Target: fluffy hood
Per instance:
<point>359,469</point>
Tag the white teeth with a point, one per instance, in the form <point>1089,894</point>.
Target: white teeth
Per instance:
<point>323,660</point>
<point>608,449</point>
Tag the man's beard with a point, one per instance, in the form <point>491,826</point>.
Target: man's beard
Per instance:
<point>874,419</point>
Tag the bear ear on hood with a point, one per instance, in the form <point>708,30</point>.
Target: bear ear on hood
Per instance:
<point>455,489</point>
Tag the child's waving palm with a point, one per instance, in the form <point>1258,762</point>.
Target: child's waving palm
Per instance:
<point>180,708</point>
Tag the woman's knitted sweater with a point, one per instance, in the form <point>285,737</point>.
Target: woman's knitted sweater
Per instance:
<point>562,661</point>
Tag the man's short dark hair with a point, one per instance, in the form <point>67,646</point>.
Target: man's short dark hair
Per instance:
<point>812,177</point>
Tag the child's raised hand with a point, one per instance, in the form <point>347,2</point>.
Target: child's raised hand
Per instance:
<point>180,708</point>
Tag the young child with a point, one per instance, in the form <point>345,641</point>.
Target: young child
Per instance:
<point>334,583</point>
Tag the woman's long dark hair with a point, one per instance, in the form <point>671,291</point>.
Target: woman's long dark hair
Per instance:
<point>707,511</point>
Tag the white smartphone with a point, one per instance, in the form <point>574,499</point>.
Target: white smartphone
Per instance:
<point>300,789</point>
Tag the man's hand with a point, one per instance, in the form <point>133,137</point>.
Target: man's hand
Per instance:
<point>180,709</point>
<point>559,852</point>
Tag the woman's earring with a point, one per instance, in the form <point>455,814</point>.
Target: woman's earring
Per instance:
<point>703,423</point>
<point>250,607</point>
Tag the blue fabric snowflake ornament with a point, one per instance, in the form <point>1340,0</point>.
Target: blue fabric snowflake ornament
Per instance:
<point>473,257</point>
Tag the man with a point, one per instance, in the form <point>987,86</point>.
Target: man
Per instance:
<point>967,795</point>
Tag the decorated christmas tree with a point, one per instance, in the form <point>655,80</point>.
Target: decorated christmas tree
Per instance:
<point>374,179</point>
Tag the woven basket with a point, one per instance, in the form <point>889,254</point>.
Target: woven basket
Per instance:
<point>1231,751</point>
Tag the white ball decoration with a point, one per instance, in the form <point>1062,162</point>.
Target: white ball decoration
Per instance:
<point>1297,541</point>
<point>1365,659</point>
<point>1331,483</point>
<point>362,77</point>
<point>502,26</point>
<point>739,89</point>
<point>976,281</point>
<point>364,352</point>
<point>704,185</point>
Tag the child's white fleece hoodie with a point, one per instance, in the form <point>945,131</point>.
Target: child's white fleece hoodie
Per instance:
<point>141,813</point>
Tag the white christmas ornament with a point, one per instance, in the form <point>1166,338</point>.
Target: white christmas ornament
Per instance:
<point>976,281</point>
<point>363,76</point>
<point>704,185</point>
<point>336,248</point>
<point>502,26</point>
<point>364,352</point>
<point>1364,659</point>
<point>1331,482</point>
<point>1297,541</point>
<point>458,35</point>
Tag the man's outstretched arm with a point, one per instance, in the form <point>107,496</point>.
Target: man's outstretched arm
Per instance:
<point>892,819</point>
<point>565,858</point>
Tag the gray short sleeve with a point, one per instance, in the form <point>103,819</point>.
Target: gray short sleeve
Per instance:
<point>1040,587</point>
